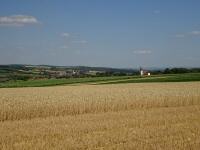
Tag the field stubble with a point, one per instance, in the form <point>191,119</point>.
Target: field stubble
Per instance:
<point>122,116</point>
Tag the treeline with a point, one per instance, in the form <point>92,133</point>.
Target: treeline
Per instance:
<point>181,70</point>
<point>22,72</point>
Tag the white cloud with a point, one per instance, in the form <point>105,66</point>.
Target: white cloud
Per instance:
<point>179,35</point>
<point>64,47</point>
<point>142,52</point>
<point>18,20</point>
<point>72,40</point>
<point>80,41</point>
<point>192,33</point>
<point>195,32</point>
<point>65,34</point>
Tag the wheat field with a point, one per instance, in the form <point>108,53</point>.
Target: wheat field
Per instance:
<point>119,116</point>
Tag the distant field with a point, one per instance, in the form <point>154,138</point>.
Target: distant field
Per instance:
<point>160,78</point>
<point>116,116</point>
<point>54,82</point>
<point>104,80</point>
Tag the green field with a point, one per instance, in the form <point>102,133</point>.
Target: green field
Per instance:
<point>54,82</point>
<point>160,78</point>
<point>103,80</point>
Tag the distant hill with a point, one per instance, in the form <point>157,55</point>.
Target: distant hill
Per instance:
<point>26,72</point>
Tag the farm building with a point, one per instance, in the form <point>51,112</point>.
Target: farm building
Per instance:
<point>144,72</point>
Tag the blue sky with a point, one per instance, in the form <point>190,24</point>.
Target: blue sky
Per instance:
<point>110,33</point>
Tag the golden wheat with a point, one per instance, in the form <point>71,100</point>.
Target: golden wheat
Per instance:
<point>121,116</point>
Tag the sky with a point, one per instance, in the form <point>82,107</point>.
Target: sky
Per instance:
<point>106,33</point>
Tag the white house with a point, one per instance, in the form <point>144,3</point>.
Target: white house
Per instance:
<point>144,72</point>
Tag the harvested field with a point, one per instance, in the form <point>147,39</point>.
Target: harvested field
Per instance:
<point>120,116</point>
